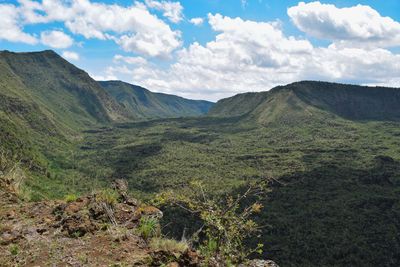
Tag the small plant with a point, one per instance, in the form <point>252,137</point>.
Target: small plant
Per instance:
<point>166,244</point>
<point>14,249</point>
<point>70,198</point>
<point>77,234</point>
<point>209,248</point>
<point>148,227</point>
<point>108,196</point>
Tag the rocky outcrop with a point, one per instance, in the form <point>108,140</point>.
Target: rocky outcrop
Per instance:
<point>88,231</point>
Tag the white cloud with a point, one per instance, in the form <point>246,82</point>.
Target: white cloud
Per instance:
<point>69,55</point>
<point>130,60</point>
<point>244,55</point>
<point>356,26</point>
<point>256,56</point>
<point>56,39</point>
<point>171,10</point>
<point>10,26</point>
<point>378,66</point>
<point>134,28</point>
<point>196,21</point>
<point>103,78</point>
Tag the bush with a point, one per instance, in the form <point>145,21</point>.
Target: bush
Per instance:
<point>226,223</point>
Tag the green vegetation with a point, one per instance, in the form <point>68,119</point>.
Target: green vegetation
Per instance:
<point>107,196</point>
<point>14,249</point>
<point>70,198</point>
<point>331,153</point>
<point>226,223</point>
<point>148,227</point>
<point>149,105</point>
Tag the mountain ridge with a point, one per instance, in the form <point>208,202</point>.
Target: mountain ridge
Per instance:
<point>353,102</point>
<point>147,104</point>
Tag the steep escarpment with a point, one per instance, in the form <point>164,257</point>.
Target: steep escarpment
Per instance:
<point>147,105</point>
<point>313,100</point>
<point>66,92</point>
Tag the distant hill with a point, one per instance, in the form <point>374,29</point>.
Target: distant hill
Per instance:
<point>146,104</point>
<point>311,100</point>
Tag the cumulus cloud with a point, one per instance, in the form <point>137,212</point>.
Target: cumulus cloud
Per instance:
<point>10,26</point>
<point>197,21</point>
<point>130,60</point>
<point>69,55</point>
<point>254,56</point>
<point>134,28</point>
<point>171,10</point>
<point>357,25</point>
<point>244,56</point>
<point>56,39</point>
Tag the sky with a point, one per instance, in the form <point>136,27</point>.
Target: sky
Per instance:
<point>212,49</point>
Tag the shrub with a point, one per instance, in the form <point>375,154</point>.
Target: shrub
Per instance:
<point>226,223</point>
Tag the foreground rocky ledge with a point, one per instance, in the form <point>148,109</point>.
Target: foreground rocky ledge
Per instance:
<point>95,230</point>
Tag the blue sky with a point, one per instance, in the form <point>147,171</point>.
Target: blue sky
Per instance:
<point>210,49</point>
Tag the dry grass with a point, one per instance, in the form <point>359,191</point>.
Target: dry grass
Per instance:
<point>168,245</point>
<point>13,177</point>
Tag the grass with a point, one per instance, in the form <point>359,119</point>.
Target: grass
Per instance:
<point>107,196</point>
<point>148,227</point>
<point>166,244</point>
<point>70,198</point>
<point>14,249</point>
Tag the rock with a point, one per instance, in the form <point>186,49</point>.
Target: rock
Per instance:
<point>161,257</point>
<point>190,258</point>
<point>148,211</point>
<point>173,264</point>
<point>121,186</point>
<point>10,237</point>
<point>77,225</point>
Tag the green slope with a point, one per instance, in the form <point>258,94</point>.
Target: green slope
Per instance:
<point>73,98</point>
<point>45,103</point>
<point>308,100</point>
<point>333,151</point>
<point>146,104</point>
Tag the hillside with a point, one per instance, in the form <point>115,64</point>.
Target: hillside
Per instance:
<point>313,100</point>
<point>46,103</point>
<point>68,93</point>
<point>330,154</point>
<point>146,104</point>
